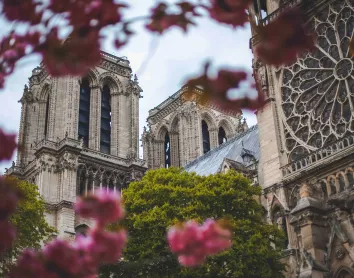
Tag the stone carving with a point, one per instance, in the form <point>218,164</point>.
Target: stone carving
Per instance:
<point>340,254</point>
<point>27,96</point>
<point>317,98</point>
<point>110,66</point>
<point>67,161</point>
<point>132,155</point>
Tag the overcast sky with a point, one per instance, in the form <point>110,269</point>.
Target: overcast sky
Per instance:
<point>170,60</point>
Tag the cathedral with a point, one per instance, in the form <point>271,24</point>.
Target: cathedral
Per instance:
<point>82,134</point>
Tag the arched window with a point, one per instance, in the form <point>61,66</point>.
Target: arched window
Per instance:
<point>84,111</point>
<point>278,218</point>
<point>46,118</point>
<point>222,135</point>
<point>260,7</point>
<point>105,144</point>
<point>206,137</point>
<point>167,149</point>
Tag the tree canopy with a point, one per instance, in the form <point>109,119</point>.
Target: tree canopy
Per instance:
<point>29,220</point>
<point>167,196</point>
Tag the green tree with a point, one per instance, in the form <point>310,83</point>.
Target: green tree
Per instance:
<point>167,196</point>
<point>32,228</point>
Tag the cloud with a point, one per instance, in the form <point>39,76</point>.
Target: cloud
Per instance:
<point>176,57</point>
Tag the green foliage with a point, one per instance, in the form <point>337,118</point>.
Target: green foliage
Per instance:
<point>32,229</point>
<point>167,196</point>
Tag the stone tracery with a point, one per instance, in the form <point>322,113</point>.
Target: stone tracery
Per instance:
<point>317,91</point>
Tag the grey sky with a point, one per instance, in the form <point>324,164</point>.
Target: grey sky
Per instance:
<point>176,56</point>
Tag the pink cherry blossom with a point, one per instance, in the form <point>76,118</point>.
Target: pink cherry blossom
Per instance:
<point>30,265</point>
<point>193,242</point>
<point>7,141</point>
<point>62,257</point>
<point>7,235</point>
<point>108,246</point>
<point>104,206</point>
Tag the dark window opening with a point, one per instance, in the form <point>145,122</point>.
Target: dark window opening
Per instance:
<point>260,7</point>
<point>105,141</point>
<point>84,111</point>
<point>222,136</point>
<point>167,148</point>
<point>206,137</point>
<point>46,118</point>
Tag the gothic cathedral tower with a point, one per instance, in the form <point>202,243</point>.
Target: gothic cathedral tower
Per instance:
<point>182,129</point>
<point>306,133</point>
<point>78,135</point>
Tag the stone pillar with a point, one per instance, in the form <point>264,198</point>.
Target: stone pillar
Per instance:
<point>175,159</point>
<point>310,224</point>
<point>135,122</point>
<point>66,221</point>
<point>160,159</point>
<point>124,130</point>
<point>21,136</point>
<point>213,134</point>
<point>114,123</point>
<point>95,118</point>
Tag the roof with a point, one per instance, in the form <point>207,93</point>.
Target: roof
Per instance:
<point>211,162</point>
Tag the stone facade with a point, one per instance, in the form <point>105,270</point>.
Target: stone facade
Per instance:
<point>53,155</point>
<point>175,129</point>
<point>306,142</point>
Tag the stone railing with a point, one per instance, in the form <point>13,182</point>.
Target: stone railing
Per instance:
<point>86,151</point>
<point>115,59</point>
<point>107,157</point>
<point>71,142</point>
<point>57,145</point>
<point>318,155</point>
<point>265,21</point>
<point>47,144</point>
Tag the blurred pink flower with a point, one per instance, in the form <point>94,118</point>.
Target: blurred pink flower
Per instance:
<point>103,206</point>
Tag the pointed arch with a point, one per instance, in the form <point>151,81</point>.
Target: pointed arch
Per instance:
<point>209,118</point>
<point>174,143</point>
<point>205,137</point>
<point>344,272</point>
<point>112,81</point>
<point>221,135</point>
<point>44,97</point>
<point>163,138</point>
<point>93,77</point>
<point>161,132</point>
<point>227,125</point>
<point>278,218</point>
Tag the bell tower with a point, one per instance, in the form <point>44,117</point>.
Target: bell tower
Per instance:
<point>79,135</point>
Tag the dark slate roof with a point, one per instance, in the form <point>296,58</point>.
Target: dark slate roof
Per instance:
<point>211,162</point>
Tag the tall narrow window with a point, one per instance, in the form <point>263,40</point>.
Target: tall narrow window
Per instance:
<point>84,111</point>
<point>105,144</point>
<point>206,137</point>
<point>222,135</point>
<point>46,118</point>
<point>167,148</point>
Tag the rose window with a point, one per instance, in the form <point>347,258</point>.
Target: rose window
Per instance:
<point>318,90</point>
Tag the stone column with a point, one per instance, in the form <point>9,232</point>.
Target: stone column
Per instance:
<point>95,118</point>
<point>175,159</point>
<point>160,159</point>
<point>114,123</point>
<point>310,223</point>
<point>213,134</point>
<point>21,136</point>
<point>123,126</point>
<point>135,122</point>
